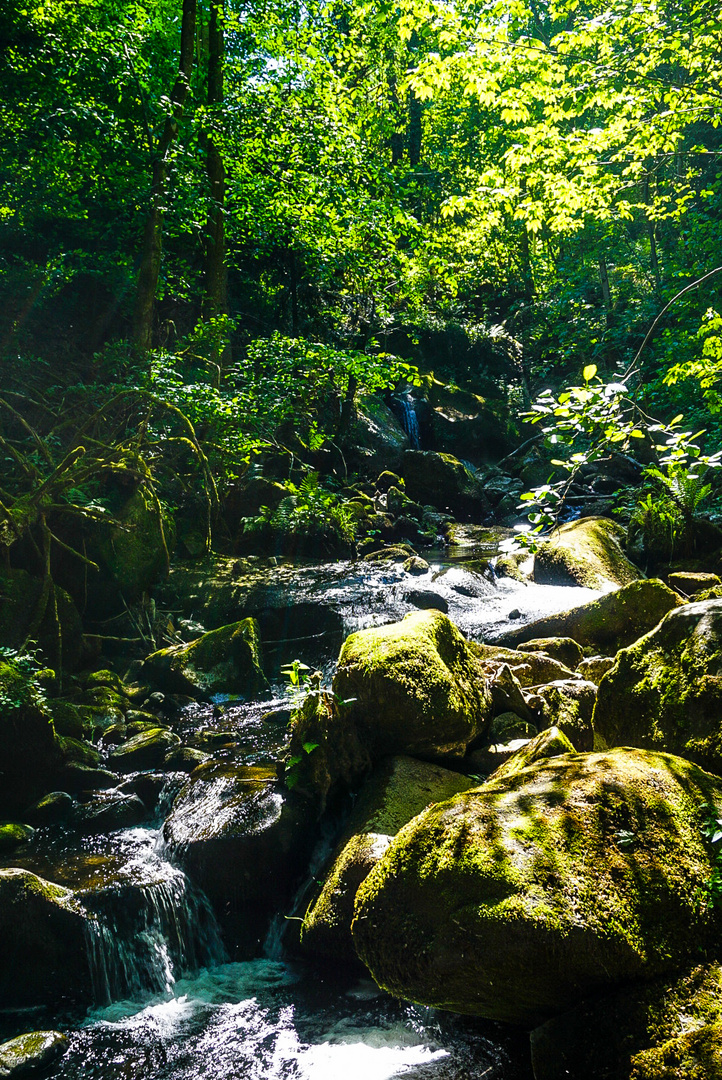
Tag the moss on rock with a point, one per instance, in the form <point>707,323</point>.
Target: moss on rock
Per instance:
<point>223,661</point>
<point>564,649</point>
<point>31,1054</point>
<point>547,744</point>
<point>144,751</point>
<point>415,686</point>
<point>585,552</point>
<point>399,789</point>
<point>28,748</point>
<point>13,834</point>
<point>568,704</point>
<point>515,899</point>
<point>665,691</point>
<point>42,942</point>
<point>612,621</point>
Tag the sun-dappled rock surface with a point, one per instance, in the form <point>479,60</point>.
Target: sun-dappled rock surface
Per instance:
<point>223,661</point>
<point>585,552</point>
<point>612,621</point>
<point>31,1054</point>
<point>517,898</point>
<point>665,691</point>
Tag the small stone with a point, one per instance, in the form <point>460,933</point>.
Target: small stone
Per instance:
<point>416,565</point>
<point>31,1053</point>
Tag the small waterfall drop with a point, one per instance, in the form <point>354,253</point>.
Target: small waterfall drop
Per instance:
<point>145,936</point>
<point>405,408</point>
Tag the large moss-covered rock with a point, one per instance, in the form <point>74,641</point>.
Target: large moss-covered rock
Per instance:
<point>568,704</point>
<point>564,649</point>
<point>244,839</point>
<point>42,942</point>
<point>516,899</point>
<point>375,438</point>
<point>13,834</point>
<point>135,554</point>
<point>612,621</point>
<point>586,552</point>
<point>658,1031</point>
<point>529,667</point>
<point>445,482</point>
<point>547,744</point>
<point>28,747</point>
<point>223,661</point>
<point>665,691</point>
<point>399,789</point>
<point>31,1054</point>
<point>414,687</point>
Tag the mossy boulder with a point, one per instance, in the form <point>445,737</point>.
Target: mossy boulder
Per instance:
<point>28,747</point>
<point>612,621</point>
<point>144,751</point>
<point>689,582</point>
<point>518,898</point>
<point>244,839</point>
<point>136,552</point>
<point>665,691</point>
<point>31,1054</point>
<point>375,438</point>
<point>586,552</point>
<point>398,790</point>
<point>547,744</point>
<point>53,809</point>
<point>445,482</point>
<point>414,687</point>
<point>564,649</point>
<point>106,811</point>
<point>569,705</point>
<point>42,942</point>
<point>223,661</point>
<point>13,834</point>
<point>594,668</point>
<point>660,1031</point>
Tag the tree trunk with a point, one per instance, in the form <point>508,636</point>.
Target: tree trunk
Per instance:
<point>149,272</point>
<point>216,271</point>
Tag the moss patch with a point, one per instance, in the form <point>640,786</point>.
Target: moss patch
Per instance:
<point>223,661</point>
<point>586,552</point>
<point>515,899</point>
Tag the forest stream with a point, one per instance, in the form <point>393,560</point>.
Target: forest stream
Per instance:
<point>170,1000</point>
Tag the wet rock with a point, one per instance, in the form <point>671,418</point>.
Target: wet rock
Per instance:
<point>400,505</point>
<point>443,480</point>
<point>426,600</point>
<point>243,839</point>
<point>563,649</point>
<point>76,777</point>
<point>375,438</point>
<point>416,565</point>
<point>29,751</point>
<point>688,583</point>
<point>393,553</point>
<point>144,751</point>
<point>42,942</point>
<point>53,809</point>
<point>223,661</point>
<point>594,668</point>
<point>568,704</point>
<point>77,751</point>
<point>31,1054</point>
<point>13,834</point>
<point>547,744</point>
<point>104,811</point>
<point>614,620</point>
<point>416,687</point>
<point>398,790</point>
<point>660,1031</point>
<point>585,552</point>
<point>514,900</point>
<point>184,759</point>
<point>388,480</point>
<point>665,691</point>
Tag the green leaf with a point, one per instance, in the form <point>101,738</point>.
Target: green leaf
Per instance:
<point>589,372</point>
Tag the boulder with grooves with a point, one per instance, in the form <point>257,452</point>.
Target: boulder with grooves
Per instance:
<point>516,899</point>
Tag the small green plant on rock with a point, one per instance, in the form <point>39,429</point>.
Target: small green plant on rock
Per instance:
<point>20,685</point>
<point>712,831</point>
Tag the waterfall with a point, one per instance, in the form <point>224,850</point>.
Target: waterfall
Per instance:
<point>405,408</point>
<point>144,937</point>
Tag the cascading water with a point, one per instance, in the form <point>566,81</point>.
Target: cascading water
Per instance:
<point>144,936</point>
<point>405,408</point>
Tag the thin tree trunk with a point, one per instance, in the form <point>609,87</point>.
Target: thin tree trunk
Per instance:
<point>216,271</point>
<point>149,273</point>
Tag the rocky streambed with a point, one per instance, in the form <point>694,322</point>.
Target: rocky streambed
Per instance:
<point>484,820</point>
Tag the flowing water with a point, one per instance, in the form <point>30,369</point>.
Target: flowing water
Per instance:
<point>169,1004</point>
